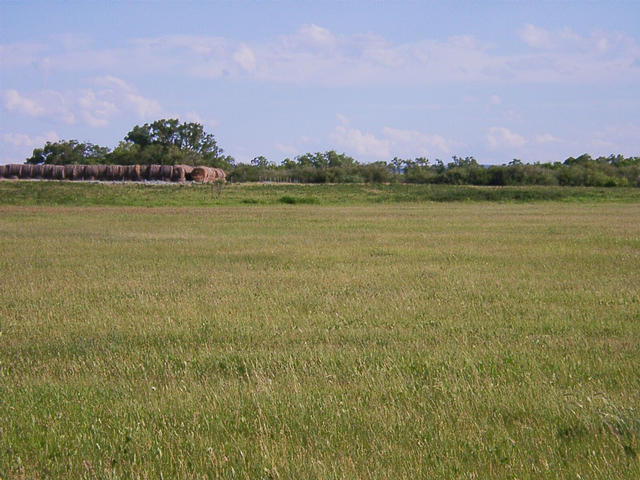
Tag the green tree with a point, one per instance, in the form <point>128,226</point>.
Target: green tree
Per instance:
<point>68,152</point>
<point>168,141</point>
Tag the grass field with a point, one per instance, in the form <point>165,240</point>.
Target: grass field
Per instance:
<point>393,340</point>
<point>46,193</point>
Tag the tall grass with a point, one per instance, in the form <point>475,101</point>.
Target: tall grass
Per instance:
<point>157,195</point>
<point>388,341</point>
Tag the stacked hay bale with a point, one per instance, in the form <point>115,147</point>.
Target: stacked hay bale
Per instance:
<point>14,171</point>
<point>167,173</point>
<point>154,173</point>
<point>181,173</point>
<point>37,171</point>
<point>132,173</point>
<point>208,175</point>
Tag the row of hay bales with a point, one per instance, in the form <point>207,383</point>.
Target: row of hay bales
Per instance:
<point>117,173</point>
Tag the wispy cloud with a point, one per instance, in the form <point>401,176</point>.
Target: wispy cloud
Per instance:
<point>502,137</point>
<point>107,97</point>
<point>315,55</point>
<point>390,141</point>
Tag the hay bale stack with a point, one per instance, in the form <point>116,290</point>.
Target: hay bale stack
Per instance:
<point>13,171</point>
<point>3,171</point>
<point>132,173</point>
<point>208,175</point>
<point>69,172</point>
<point>102,172</point>
<point>26,171</point>
<point>200,174</point>
<point>47,171</point>
<point>220,175</point>
<point>58,172</point>
<point>179,174</point>
<point>37,171</point>
<point>166,172</point>
<point>91,172</point>
<point>144,172</point>
<point>114,172</point>
<point>78,172</point>
<point>154,172</point>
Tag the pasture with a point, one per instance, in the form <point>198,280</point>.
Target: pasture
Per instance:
<point>380,340</point>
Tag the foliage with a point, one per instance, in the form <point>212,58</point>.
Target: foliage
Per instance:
<point>164,142</point>
<point>332,167</point>
<point>68,152</point>
<point>170,142</point>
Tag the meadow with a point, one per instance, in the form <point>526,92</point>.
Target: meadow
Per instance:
<point>360,338</point>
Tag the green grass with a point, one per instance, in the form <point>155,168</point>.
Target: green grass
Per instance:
<point>460,340</point>
<point>150,195</point>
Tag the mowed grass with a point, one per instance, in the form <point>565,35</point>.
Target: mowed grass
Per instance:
<point>462,340</point>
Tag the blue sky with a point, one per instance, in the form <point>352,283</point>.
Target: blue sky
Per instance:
<point>539,81</point>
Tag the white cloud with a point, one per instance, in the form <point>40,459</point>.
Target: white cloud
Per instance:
<point>536,37</point>
<point>315,36</point>
<point>245,57</point>
<point>29,141</point>
<point>44,104</point>
<point>358,142</point>
<point>14,102</point>
<point>546,138</point>
<point>108,97</point>
<point>391,141</point>
<point>315,55</point>
<point>415,143</point>
<point>96,111</point>
<point>501,137</point>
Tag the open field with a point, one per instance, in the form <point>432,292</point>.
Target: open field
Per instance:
<point>395,340</point>
<point>31,193</point>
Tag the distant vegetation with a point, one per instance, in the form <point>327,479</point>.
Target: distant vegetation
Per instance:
<point>169,142</point>
<point>247,194</point>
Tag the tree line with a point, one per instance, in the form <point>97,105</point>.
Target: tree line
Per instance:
<point>169,142</point>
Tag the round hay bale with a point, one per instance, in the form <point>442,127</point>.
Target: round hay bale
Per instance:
<point>179,174</point>
<point>155,172</point>
<point>102,172</point>
<point>26,171</point>
<point>68,172</point>
<point>36,170</point>
<point>77,172</point>
<point>91,172</point>
<point>166,172</point>
<point>200,174</point>
<point>187,171</point>
<point>144,172</point>
<point>3,171</point>
<point>110,173</point>
<point>47,171</point>
<point>58,172</point>
<point>118,172</point>
<point>14,170</point>
<point>220,175</point>
<point>132,173</point>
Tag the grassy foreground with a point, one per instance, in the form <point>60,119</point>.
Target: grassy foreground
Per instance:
<point>408,341</point>
<point>159,195</point>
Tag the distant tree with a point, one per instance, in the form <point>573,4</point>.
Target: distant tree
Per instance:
<point>168,141</point>
<point>260,162</point>
<point>68,152</point>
